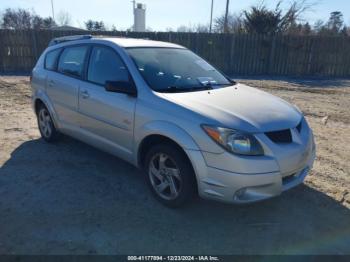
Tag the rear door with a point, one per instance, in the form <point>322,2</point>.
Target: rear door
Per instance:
<point>63,82</point>
<point>108,115</point>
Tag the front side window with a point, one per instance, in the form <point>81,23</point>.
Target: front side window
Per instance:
<point>72,60</point>
<point>106,65</point>
<point>175,69</point>
<point>51,59</point>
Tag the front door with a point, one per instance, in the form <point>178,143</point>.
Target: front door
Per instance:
<point>107,115</point>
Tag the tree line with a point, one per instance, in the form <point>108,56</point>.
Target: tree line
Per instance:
<point>258,19</point>
<point>19,18</point>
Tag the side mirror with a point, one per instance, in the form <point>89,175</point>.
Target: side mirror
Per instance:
<point>123,87</point>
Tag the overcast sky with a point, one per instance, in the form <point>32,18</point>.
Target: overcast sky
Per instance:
<point>161,14</point>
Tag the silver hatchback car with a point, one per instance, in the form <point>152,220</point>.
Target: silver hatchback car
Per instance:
<point>164,109</point>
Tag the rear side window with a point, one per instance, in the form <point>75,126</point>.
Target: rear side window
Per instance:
<point>106,65</point>
<point>51,59</point>
<point>72,60</point>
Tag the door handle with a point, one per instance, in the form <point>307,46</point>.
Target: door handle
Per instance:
<point>85,94</point>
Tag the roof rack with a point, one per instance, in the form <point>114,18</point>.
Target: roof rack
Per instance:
<point>62,39</point>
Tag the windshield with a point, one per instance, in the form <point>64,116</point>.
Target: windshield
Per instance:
<point>175,70</point>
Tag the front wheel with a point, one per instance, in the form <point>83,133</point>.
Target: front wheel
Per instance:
<point>170,175</point>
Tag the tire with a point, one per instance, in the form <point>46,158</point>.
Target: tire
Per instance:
<point>46,126</point>
<point>169,175</point>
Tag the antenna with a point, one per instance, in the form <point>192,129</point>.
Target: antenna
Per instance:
<point>211,16</point>
<point>53,11</point>
<point>226,14</point>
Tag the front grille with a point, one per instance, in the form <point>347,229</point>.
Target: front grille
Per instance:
<point>281,136</point>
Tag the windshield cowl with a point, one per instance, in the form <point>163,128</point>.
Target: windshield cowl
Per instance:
<point>175,89</point>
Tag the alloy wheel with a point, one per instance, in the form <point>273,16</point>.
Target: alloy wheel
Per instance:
<point>165,176</point>
<point>45,122</point>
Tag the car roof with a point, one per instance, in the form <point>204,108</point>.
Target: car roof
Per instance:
<point>120,41</point>
<point>135,42</point>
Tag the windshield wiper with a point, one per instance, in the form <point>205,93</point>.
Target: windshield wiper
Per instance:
<point>170,89</point>
<point>221,84</point>
<point>176,89</point>
<point>214,84</point>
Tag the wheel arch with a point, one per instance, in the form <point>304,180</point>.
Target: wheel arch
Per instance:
<point>161,131</point>
<point>37,103</point>
<point>42,99</point>
<point>152,140</point>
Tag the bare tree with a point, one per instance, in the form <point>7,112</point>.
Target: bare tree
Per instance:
<point>92,25</point>
<point>99,26</point>
<point>334,26</point>
<point>113,28</point>
<point>299,29</point>
<point>344,31</point>
<point>64,18</point>
<point>39,22</point>
<point>196,28</point>
<point>234,23</point>
<point>89,25</point>
<point>336,21</point>
<point>1,17</point>
<point>319,24</point>
<point>16,19</point>
<point>202,28</point>
<point>259,19</point>
<point>185,29</point>
<point>294,13</point>
<point>23,19</point>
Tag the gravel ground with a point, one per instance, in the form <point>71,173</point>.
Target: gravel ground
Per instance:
<point>69,198</point>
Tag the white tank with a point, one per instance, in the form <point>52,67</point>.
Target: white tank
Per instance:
<point>140,18</point>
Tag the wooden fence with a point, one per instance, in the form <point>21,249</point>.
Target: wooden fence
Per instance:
<point>234,54</point>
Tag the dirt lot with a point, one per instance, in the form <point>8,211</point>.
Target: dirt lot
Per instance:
<point>69,198</point>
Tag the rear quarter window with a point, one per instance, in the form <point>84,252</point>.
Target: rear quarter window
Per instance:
<point>72,61</point>
<point>51,59</point>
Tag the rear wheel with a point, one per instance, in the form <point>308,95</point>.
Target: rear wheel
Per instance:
<point>46,126</point>
<point>170,175</point>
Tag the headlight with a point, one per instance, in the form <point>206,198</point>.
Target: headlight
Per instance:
<point>234,141</point>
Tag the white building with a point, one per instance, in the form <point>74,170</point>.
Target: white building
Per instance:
<point>139,17</point>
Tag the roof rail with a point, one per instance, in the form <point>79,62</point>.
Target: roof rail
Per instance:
<point>62,39</point>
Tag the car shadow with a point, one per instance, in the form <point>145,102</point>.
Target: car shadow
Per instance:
<point>69,198</point>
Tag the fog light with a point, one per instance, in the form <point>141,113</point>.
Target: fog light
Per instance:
<point>240,193</point>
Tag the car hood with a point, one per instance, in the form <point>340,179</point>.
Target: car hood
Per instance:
<point>240,107</point>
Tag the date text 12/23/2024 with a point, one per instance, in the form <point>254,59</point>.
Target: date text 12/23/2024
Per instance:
<point>173,258</point>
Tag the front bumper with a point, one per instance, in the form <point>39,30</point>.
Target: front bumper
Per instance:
<point>240,188</point>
